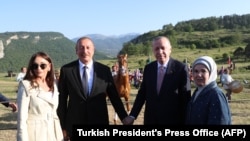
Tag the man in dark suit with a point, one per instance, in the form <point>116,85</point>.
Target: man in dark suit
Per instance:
<point>166,105</point>
<point>86,105</point>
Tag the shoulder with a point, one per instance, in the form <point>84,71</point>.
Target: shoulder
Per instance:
<point>151,64</point>
<point>98,65</point>
<point>215,91</point>
<point>177,66</point>
<point>176,62</point>
<point>25,83</point>
<point>218,97</point>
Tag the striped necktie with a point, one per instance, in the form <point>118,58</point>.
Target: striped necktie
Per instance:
<point>160,76</point>
<point>85,81</point>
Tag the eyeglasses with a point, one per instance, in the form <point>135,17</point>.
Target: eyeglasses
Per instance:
<point>35,66</point>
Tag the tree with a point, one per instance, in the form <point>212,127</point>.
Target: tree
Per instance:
<point>238,52</point>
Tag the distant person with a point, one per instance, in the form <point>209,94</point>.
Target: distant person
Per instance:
<point>227,79</point>
<point>6,102</point>
<point>131,76</point>
<point>190,72</point>
<point>83,86</point>
<point>21,74</point>
<point>137,77</point>
<point>57,75</point>
<point>37,100</point>
<point>166,101</point>
<point>208,105</point>
<point>231,66</point>
<point>114,70</point>
<point>220,73</point>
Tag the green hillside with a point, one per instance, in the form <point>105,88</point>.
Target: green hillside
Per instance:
<point>219,37</point>
<point>19,46</point>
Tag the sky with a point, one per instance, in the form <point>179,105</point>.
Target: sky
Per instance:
<point>75,18</point>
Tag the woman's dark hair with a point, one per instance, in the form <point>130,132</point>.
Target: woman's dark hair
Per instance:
<point>31,75</point>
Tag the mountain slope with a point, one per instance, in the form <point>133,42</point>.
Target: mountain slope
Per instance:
<point>110,45</point>
<point>16,49</point>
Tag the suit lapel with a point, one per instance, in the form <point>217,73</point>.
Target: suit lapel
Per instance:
<point>77,77</point>
<point>170,67</point>
<point>94,78</point>
<point>168,76</point>
<point>47,98</point>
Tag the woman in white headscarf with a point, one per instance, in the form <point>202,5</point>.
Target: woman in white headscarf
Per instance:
<point>208,105</point>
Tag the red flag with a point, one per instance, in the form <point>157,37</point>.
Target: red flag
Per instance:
<point>229,60</point>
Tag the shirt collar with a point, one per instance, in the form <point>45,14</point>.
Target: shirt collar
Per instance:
<point>89,65</point>
<point>164,65</point>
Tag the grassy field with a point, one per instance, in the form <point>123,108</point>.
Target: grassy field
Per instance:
<point>239,105</point>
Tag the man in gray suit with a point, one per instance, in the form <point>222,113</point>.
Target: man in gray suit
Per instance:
<point>166,105</point>
<point>86,105</point>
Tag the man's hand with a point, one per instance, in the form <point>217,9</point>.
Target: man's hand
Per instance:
<point>128,120</point>
<point>13,106</point>
<point>65,135</point>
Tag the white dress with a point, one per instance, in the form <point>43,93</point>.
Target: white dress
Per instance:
<point>37,118</point>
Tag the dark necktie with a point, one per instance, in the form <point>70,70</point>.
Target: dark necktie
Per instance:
<point>85,81</point>
<point>160,76</point>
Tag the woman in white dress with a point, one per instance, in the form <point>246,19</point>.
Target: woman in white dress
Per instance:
<point>37,101</point>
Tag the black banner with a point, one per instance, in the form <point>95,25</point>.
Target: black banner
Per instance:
<point>240,132</point>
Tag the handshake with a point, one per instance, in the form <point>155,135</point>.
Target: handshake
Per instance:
<point>129,120</point>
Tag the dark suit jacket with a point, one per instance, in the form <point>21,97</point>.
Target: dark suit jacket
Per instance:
<point>169,106</point>
<point>91,110</point>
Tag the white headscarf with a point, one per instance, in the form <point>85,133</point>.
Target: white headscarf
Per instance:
<point>210,65</point>
<point>212,68</point>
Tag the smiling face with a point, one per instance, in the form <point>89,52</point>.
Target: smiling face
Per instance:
<point>85,50</point>
<point>161,49</point>
<point>200,75</point>
<point>41,67</point>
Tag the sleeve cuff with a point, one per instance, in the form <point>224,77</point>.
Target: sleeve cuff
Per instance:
<point>132,117</point>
